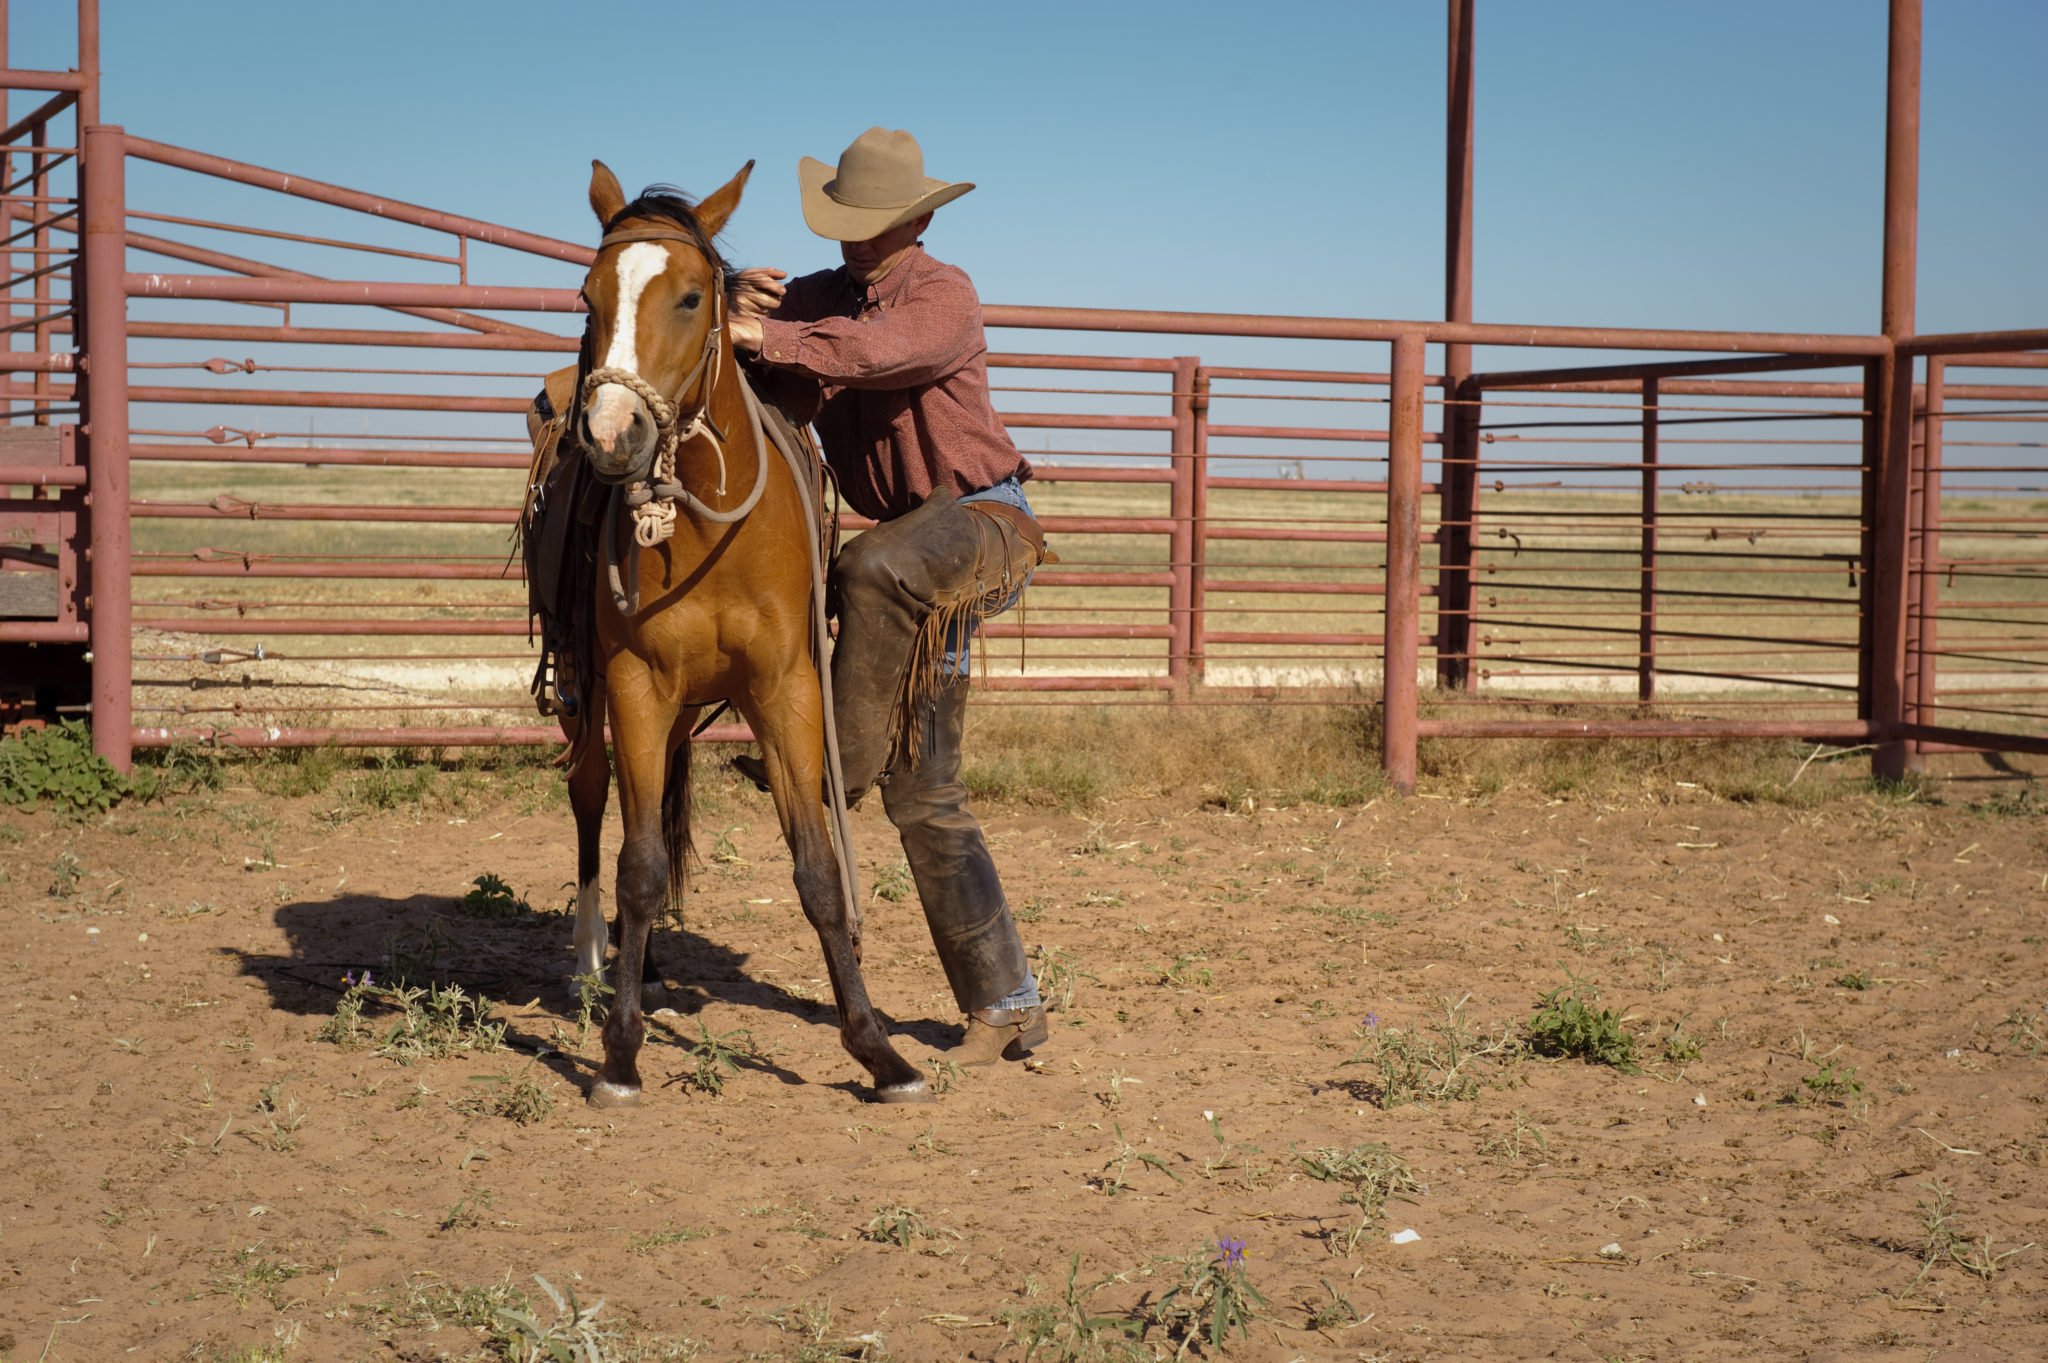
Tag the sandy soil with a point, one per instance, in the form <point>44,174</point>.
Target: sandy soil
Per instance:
<point>187,1170</point>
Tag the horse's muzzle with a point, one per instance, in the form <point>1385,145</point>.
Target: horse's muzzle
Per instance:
<point>634,437</point>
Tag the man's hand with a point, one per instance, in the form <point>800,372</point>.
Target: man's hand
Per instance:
<point>745,331</point>
<point>757,292</point>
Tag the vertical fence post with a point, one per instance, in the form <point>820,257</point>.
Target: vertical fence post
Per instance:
<point>1180,555</point>
<point>1926,678</point>
<point>1404,562</point>
<point>1646,602</point>
<point>1895,421</point>
<point>1914,555</point>
<point>1198,537</point>
<point>103,247</point>
<point>1458,467</point>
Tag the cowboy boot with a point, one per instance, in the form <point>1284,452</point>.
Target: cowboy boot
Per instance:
<point>885,584</point>
<point>963,899</point>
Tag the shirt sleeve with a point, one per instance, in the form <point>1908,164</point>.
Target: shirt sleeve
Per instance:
<point>920,340</point>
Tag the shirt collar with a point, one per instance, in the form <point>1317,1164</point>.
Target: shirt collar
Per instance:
<point>894,284</point>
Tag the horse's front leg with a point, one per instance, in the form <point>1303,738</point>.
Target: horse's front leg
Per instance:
<point>789,722</point>
<point>590,782</point>
<point>644,741</point>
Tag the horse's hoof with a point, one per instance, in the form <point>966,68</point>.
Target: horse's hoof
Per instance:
<point>916,1091</point>
<point>605,1093</point>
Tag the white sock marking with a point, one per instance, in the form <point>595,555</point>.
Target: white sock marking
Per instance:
<point>592,936</point>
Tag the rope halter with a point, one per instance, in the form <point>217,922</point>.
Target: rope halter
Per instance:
<point>653,499</point>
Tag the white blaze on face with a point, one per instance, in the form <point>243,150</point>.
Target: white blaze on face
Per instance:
<point>611,411</point>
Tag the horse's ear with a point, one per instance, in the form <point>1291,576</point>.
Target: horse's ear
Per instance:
<point>719,204</point>
<point>607,196</point>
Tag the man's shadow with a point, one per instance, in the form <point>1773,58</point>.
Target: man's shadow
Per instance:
<point>523,958</point>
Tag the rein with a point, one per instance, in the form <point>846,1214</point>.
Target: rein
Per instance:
<point>653,498</point>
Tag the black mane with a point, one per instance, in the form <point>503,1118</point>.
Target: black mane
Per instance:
<point>672,205</point>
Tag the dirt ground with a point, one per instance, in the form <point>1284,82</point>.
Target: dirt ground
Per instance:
<point>1834,1147</point>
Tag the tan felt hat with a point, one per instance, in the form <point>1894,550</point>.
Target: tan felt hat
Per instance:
<point>879,184</point>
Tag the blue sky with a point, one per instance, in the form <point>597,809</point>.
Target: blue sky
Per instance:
<point>1638,164</point>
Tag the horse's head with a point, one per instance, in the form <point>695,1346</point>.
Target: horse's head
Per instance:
<point>657,309</point>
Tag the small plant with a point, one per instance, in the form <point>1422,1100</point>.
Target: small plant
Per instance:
<point>1371,1176</point>
<point>65,873</point>
<point>893,883</point>
<point>410,957</point>
<point>57,763</point>
<point>1680,1046</point>
<point>1524,1140</point>
<point>1058,975</point>
<point>468,1211</point>
<point>1112,1183</point>
<point>1335,1314</point>
<point>255,1274</point>
<point>1213,1299</point>
<point>902,1227</point>
<point>1070,1332</point>
<point>1430,1063</point>
<point>1184,974</point>
<point>345,1029</point>
<point>573,1336</point>
<point>591,991</point>
<point>718,1055</point>
<point>653,1240</point>
<point>495,1095</point>
<point>1570,1026</point>
<point>1948,1245</point>
<point>1830,1083</point>
<point>284,1115</point>
<point>493,898</point>
<point>437,1022</point>
<point>1857,980</point>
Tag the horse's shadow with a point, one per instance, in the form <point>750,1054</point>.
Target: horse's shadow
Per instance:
<point>523,961</point>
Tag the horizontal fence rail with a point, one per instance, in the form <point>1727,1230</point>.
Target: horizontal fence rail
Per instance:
<point>289,523</point>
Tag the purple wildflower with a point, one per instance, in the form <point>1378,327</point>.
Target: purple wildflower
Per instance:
<point>1231,1252</point>
<point>1372,1020</point>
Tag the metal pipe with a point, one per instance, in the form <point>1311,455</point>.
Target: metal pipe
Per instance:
<point>1928,580</point>
<point>106,349</point>
<point>1828,731</point>
<point>1891,478</point>
<point>1404,564</point>
<point>1646,631</point>
<point>489,233</point>
<point>88,62</point>
<point>363,291</point>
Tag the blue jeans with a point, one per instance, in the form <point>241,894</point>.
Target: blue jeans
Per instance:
<point>958,652</point>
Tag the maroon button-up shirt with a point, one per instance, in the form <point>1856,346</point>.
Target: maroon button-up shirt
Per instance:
<point>895,376</point>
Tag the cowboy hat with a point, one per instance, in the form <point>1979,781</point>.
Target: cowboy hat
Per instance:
<point>879,184</point>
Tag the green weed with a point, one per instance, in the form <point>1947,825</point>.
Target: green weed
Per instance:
<point>1570,1026</point>
<point>1371,1176</point>
<point>493,898</point>
<point>717,1055</point>
<point>1070,1331</point>
<point>902,1227</point>
<point>1434,1062</point>
<point>1213,1300</point>
<point>57,764</point>
<point>1946,1244</point>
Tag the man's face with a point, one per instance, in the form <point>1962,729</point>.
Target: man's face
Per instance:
<point>869,261</point>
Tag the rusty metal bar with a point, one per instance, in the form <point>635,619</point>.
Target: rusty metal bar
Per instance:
<point>489,233</point>
<point>1474,333</point>
<point>358,291</point>
<point>1829,731</point>
<point>256,269</point>
<point>1927,679</point>
<point>1181,508</point>
<point>106,349</point>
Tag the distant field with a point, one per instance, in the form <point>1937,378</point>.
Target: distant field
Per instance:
<point>1556,586</point>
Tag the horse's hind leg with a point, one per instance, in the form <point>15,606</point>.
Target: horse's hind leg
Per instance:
<point>788,723</point>
<point>590,782</point>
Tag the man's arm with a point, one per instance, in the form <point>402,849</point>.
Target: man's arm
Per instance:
<point>924,339</point>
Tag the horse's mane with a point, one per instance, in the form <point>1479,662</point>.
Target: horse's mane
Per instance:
<point>669,203</point>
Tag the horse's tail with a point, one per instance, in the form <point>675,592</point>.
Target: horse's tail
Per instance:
<point>675,823</point>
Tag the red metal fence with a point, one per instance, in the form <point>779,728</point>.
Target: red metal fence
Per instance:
<point>1685,543</point>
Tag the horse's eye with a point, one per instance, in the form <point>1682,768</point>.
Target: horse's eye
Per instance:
<point>692,298</point>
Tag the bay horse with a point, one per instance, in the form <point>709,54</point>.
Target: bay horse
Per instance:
<point>719,610</point>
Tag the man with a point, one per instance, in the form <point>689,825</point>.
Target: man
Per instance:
<point>886,355</point>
